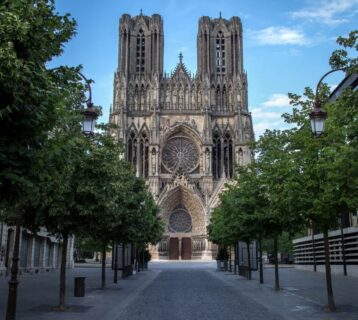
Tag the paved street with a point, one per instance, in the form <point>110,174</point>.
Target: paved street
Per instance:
<point>185,291</point>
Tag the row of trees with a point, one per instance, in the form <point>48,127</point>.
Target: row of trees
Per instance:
<point>296,180</point>
<point>51,175</point>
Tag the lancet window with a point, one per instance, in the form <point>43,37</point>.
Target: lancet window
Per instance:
<point>138,153</point>
<point>132,149</point>
<point>140,52</point>
<point>216,156</point>
<point>143,162</point>
<point>222,156</point>
<point>220,53</point>
<point>228,156</point>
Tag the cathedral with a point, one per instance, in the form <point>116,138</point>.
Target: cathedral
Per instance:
<point>183,133</point>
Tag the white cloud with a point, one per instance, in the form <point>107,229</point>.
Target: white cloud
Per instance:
<point>268,115</point>
<point>259,113</point>
<point>279,36</point>
<point>277,100</point>
<point>261,126</point>
<point>328,12</point>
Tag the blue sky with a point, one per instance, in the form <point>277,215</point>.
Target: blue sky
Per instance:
<point>287,43</point>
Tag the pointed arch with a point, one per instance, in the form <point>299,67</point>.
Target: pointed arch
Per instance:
<point>217,153</point>
<point>132,146</point>
<point>143,162</point>
<point>228,156</point>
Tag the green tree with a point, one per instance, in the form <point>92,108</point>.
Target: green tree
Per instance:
<point>278,178</point>
<point>121,208</point>
<point>31,34</point>
<point>252,204</point>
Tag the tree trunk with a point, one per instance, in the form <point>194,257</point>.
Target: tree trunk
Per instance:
<point>63,272</point>
<point>248,261</point>
<point>137,259</point>
<point>143,261</point>
<point>327,262</point>
<point>277,279</point>
<point>13,282</point>
<point>115,265</point>
<point>104,266</point>
<point>261,264</point>
<point>123,252</point>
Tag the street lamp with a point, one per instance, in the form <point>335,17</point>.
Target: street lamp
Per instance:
<point>318,115</point>
<point>90,114</point>
<point>89,121</point>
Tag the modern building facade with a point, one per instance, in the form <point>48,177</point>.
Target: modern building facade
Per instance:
<point>38,253</point>
<point>183,133</point>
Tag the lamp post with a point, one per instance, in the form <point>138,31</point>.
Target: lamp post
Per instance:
<point>318,117</point>
<point>88,124</point>
<point>90,114</point>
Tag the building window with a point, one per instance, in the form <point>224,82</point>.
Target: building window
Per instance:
<point>216,156</point>
<point>140,52</point>
<point>132,150</point>
<point>228,156</point>
<point>144,155</point>
<point>220,53</point>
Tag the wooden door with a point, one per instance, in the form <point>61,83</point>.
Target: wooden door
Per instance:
<point>174,249</point>
<point>186,248</point>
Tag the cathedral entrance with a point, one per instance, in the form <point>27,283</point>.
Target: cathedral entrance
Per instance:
<point>186,248</point>
<point>174,249</point>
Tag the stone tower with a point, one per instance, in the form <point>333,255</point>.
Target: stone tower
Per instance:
<point>183,133</point>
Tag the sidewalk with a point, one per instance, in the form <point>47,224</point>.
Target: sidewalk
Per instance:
<point>302,295</point>
<point>38,294</point>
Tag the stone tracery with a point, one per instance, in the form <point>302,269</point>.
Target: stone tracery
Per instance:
<point>183,132</point>
<point>180,153</point>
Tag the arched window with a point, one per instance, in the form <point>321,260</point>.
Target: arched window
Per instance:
<point>228,156</point>
<point>144,155</point>
<point>216,156</point>
<point>140,52</point>
<point>132,149</point>
<point>220,53</point>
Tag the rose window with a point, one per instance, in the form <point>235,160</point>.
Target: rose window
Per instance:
<point>180,220</point>
<point>180,153</point>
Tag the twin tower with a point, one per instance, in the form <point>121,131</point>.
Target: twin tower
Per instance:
<point>183,133</point>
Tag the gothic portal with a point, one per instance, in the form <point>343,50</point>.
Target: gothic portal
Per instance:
<point>183,133</point>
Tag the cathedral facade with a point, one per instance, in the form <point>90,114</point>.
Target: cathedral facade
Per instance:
<point>183,133</point>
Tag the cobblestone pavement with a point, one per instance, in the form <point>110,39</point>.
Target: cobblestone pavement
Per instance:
<point>185,291</point>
